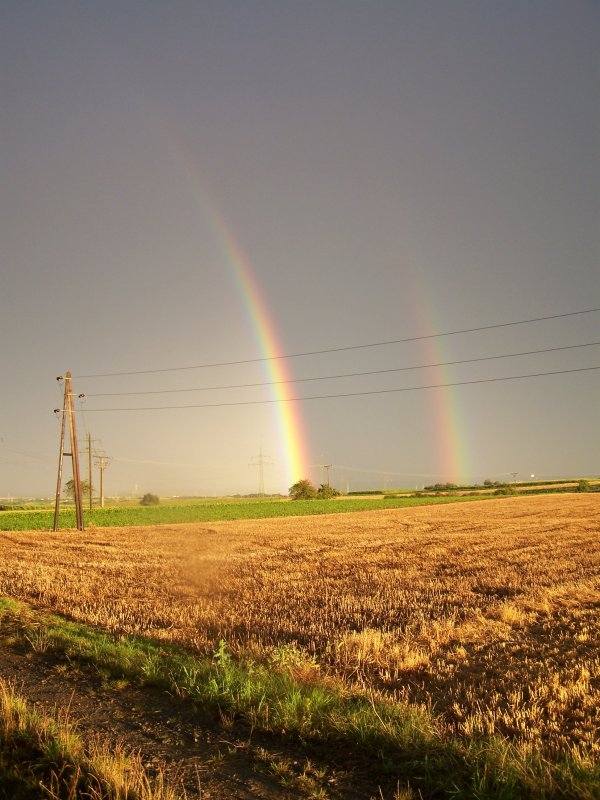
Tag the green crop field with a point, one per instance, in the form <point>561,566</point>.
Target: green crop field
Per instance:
<point>207,511</point>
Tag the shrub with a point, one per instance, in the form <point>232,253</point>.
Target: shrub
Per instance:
<point>149,500</point>
<point>303,490</point>
<point>69,488</point>
<point>325,492</point>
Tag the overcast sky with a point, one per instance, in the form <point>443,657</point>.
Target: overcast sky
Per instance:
<point>384,170</point>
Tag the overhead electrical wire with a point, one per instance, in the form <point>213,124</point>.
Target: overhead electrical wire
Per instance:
<point>339,349</point>
<point>345,374</point>
<point>168,463</point>
<point>24,455</point>
<point>351,394</point>
<point>344,468</point>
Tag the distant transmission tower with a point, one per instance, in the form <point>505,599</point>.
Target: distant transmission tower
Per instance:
<point>260,462</point>
<point>323,466</point>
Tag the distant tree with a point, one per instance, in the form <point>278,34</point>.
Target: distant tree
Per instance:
<point>149,500</point>
<point>303,490</point>
<point>488,482</point>
<point>70,488</point>
<point>583,486</point>
<point>441,487</point>
<point>326,492</point>
<point>506,490</point>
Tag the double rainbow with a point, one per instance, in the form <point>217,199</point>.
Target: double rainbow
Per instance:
<point>450,430</point>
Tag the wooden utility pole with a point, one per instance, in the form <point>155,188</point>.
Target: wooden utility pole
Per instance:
<point>89,441</point>
<point>102,464</point>
<point>68,411</point>
<point>60,457</point>
<point>89,449</point>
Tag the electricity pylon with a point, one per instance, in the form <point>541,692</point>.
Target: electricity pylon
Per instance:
<point>323,467</point>
<point>261,463</point>
<point>68,411</point>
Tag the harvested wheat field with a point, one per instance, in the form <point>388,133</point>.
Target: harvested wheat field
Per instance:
<point>486,613</point>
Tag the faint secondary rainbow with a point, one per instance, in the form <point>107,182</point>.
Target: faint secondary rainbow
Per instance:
<point>450,432</point>
<point>292,439</point>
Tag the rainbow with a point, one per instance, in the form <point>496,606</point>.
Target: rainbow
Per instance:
<point>449,433</point>
<point>292,438</point>
<point>449,428</point>
<point>291,430</point>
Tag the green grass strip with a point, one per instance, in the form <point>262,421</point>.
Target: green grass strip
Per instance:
<point>405,740</point>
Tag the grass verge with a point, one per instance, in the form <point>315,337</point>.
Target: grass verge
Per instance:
<point>43,757</point>
<point>285,700</point>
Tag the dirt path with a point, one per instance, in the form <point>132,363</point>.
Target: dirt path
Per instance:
<point>206,757</point>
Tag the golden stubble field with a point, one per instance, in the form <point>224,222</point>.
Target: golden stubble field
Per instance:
<point>485,613</point>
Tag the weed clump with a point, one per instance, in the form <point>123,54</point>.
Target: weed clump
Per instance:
<point>149,500</point>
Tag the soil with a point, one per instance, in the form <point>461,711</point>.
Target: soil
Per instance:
<point>203,756</point>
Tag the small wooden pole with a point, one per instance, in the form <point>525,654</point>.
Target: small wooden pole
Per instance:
<point>101,483</point>
<point>89,449</point>
<point>102,464</point>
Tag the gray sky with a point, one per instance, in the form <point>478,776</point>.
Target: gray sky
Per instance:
<point>382,170</point>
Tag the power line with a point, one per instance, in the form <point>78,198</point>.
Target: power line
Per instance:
<point>26,455</point>
<point>170,463</point>
<point>345,374</point>
<point>367,471</point>
<point>351,394</point>
<point>340,349</point>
